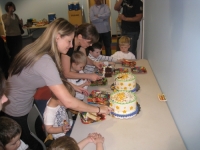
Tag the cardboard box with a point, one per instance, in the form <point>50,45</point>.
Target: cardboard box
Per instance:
<point>75,17</point>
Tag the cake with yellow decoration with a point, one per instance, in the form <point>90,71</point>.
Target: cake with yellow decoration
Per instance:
<point>124,104</point>
<point>125,81</point>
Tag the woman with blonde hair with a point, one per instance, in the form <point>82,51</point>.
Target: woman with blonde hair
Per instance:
<point>37,65</point>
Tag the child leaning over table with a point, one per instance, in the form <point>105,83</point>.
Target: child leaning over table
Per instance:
<point>124,45</point>
<point>68,143</point>
<point>10,133</point>
<point>78,62</point>
<point>94,53</point>
<point>56,119</point>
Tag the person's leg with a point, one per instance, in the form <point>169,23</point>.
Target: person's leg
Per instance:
<point>25,136</point>
<point>14,44</point>
<point>107,39</point>
<point>101,39</point>
<point>134,38</point>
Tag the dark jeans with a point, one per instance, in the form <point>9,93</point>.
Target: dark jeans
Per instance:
<point>14,44</point>
<point>134,37</point>
<point>106,39</point>
<point>25,136</point>
<point>4,58</point>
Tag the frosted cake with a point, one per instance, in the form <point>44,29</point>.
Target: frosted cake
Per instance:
<point>124,104</point>
<point>125,81</point>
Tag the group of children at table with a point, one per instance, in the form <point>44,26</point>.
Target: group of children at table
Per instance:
<point>55,112</point>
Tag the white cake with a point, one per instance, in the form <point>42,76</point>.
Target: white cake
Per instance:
<point>124,104</point>
<point>125,81</point>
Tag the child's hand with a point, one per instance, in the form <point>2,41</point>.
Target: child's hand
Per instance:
<point>87,83</point>
<point>65,128</point>
<point>96,138</point>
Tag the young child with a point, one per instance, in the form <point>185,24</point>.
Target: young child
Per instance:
<point>3,98</point>
<point>10,132</point>
<point>124,44</point>
<point>94,53</point>
<point>68,143</point>
<point>56,120</point>
<point>78,62</point>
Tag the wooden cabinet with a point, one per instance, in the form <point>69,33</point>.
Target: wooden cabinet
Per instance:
<point>75,17</point>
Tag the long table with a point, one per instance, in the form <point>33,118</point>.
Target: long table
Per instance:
<point>152,129</point>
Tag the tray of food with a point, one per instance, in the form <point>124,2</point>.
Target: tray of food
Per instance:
<point>120,70</point>
<point>87,118</point>
<point>138,70</point>
<point>99,97</point>
<point>102,81</point>
<point>128,63</point>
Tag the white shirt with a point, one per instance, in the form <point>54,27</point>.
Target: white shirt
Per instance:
<point>22,146</point>
<point>55,116</point>
<point>78,82</point>
<point>120,55</point>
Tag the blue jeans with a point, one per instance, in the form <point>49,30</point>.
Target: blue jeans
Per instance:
<point>106,39</point>
<point>134,37</point>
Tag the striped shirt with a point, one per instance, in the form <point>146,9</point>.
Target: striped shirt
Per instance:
<point>102,58</point>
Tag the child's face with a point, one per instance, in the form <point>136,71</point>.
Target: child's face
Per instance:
<point>95,53</point>
<point>78,67</point>
<point>3,99</point>
<point>124,48</point>
<point>14,143</point>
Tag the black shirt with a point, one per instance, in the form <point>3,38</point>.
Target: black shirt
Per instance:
<point>71,50</point>
<point>130,9</point>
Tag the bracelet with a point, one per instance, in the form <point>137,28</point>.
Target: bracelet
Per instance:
<point>99,109</point>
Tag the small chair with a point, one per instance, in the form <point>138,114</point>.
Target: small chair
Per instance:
<point>33,117</point>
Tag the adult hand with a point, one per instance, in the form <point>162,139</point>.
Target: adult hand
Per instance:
<point>98,64</point>
<point>105,110</point>
<point>80,90</point>
<point>121,16</point>
<point>94,77</point>
<point>87,83</point>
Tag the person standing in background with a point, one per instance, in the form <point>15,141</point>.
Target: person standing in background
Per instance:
<point>130,20</point>
<point>13,34</point>
<point>99,17</point>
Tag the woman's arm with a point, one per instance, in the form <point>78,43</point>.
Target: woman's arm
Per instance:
<point>70,102</point>
<point>65,60</point>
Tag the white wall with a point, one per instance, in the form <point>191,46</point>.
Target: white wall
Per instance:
<point>172,46</point>
<point>39,9</point>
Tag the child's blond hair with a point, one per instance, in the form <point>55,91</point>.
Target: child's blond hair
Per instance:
<point>124,40</point>
<point>78,57</point>
<point>69,88</point>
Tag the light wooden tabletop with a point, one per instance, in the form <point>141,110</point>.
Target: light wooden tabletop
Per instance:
<point>152,129</point>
